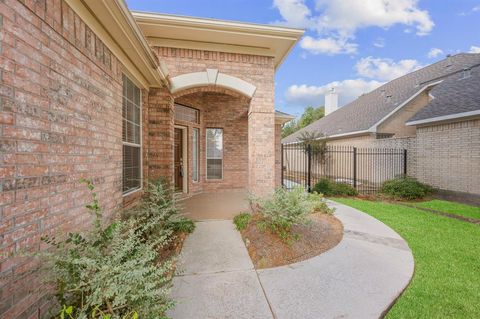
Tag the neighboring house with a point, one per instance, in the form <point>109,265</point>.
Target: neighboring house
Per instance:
<point>90,90</point>
<point>433,112</point>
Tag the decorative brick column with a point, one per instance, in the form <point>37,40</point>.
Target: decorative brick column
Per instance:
<point>261,147</point>
<point>158,136</point>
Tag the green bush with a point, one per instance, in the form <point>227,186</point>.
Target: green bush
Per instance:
<point>241,221</point>
<point>157,212</point>
<point>114,271</point>
<point>331,188</point>
<point>405,188</point>
<point>285,209</point>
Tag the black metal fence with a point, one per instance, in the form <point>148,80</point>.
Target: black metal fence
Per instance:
<point>363,168</point>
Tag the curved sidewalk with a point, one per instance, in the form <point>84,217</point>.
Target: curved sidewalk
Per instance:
<point>359,278</point>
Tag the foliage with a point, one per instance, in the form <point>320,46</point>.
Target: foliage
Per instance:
<point>285,209</point>
<point>241,221</point>
<point>309,116</point>
<point>406,188</point>
<point>114,271</point>
<point>446,281</point>
<point>328,187</point>
<point>157,213</point>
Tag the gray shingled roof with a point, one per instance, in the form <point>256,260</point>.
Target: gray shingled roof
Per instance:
<point>454,95</point>
<point>368,109</point>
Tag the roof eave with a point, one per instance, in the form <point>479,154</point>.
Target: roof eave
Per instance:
<point>257,33</point>
<point>113,23</point>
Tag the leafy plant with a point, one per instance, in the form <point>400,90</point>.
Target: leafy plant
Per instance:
<point>285,209</point>
<point>309,116</point>
<point>328,187</point>
<point>406,188</point>
<point>157,214</point>
<point>241,221</point>
<point>111,271</point>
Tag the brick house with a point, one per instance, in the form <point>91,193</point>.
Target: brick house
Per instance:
<point>433,112</point>
<point>90,90</point>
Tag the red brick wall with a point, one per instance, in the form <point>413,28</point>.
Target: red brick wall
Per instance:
<point>158,135</point>
<point>60,120</point>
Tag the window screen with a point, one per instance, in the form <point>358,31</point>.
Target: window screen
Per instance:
<point>132,177</point>
<point>195,152</point>
<point>186,114</point>
<point>214,153</point>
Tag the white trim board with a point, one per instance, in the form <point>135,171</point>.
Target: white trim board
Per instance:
<point>444,118</point>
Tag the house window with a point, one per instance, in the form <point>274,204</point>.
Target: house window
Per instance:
<point>195,150</point>
<point>132,162</point>
<point>186,114</point>
<point>214,153</point>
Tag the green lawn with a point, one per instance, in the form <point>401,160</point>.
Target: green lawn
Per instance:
<point>452,208</point>
<point>446,283</point>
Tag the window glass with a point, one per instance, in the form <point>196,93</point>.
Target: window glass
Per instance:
<point>214,153</point>
<point>186,114</point>
<point>195,154</point>
<point>131,135</point>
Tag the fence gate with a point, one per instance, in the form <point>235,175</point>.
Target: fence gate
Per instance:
<point>363,168</point>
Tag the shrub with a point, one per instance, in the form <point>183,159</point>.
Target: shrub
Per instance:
<point>331,188</point>
<point>112,271</point>
<point>241,221</point>
<point>157,213</point>
<point>405,188</point>
<point>285,209</point>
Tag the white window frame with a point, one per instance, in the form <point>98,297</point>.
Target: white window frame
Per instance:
<point>206,153</point>
<point>133,144</point>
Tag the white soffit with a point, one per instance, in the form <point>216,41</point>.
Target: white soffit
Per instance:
<point>218,35</point>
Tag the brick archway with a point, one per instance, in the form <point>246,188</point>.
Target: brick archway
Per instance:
<point>210,89</point>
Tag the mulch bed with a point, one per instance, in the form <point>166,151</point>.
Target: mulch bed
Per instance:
<point>267,250</point>
<point>174,247</point>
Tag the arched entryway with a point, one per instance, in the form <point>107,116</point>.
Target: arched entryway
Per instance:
<point>211,140</point>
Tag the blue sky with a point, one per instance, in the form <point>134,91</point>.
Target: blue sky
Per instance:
<point>352,45</point>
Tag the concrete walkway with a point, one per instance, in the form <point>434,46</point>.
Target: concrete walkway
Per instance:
<point>359,278</point>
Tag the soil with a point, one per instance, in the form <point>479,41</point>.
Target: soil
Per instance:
<point>267,250</point>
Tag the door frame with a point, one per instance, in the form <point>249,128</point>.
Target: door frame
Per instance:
<point>185,157</point>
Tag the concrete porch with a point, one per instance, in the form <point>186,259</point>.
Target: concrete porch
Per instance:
<point>214,205</point>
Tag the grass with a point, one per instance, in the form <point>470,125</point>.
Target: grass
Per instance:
<point>446,283</point>
<point>451,207</point>
<point>241,221</point>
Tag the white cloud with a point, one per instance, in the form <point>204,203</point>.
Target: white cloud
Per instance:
<point>474,49</point>
<point>476,9</point>
<point>311,95</point>
<point>336,22</point>
<point>329,46</point>
<point>434,52</point>
<point>295,13</point>
<point>385,69</point>
<point>379,43</point>
<point>347,16</point>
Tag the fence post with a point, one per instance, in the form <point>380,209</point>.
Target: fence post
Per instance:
<point>309,168</point>
<point>282,182</point>
<point>355,167</point>
<point>405,162</point>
